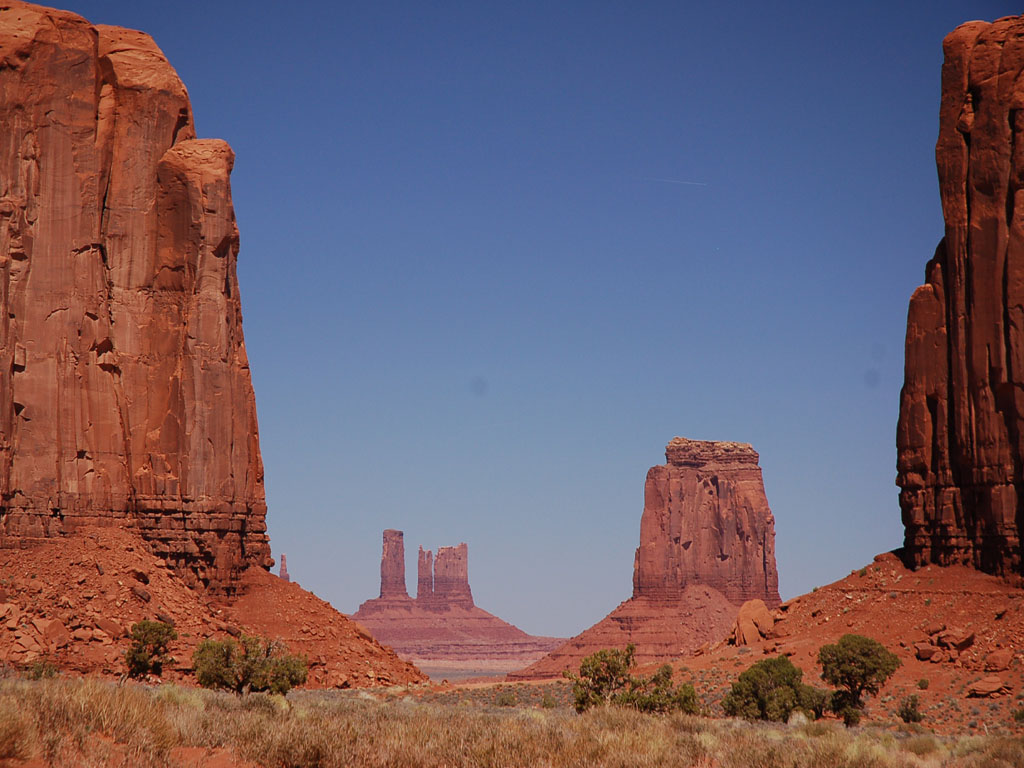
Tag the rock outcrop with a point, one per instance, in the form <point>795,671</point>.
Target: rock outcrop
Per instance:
<point>392,566</point>
<point>961,427</point>
<point>707,545</point>
<point>706,521</point>
<point>125,395</point>
<point>442,631</point>
<point>284,568</point>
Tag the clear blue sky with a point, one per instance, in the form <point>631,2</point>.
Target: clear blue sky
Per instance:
<point>478,302</point>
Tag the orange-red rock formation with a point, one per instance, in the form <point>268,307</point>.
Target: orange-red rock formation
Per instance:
<point>125,395</point>
<point>706,521</point>
<point>442,631</point>
<point>961,428</point>
<point>707,545</point>
<point>284,568</point>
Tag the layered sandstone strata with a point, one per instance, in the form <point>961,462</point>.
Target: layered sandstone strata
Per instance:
<point>125,395</point>
<point>707,545</point>
<point>960,437</point>
<point>442,631</point>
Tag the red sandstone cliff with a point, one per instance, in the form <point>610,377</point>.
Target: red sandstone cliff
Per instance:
<point>125,397</point>
<point>125,394</point>
<point>442,631</point>
<point>707,545</point>
<point>960,437</point>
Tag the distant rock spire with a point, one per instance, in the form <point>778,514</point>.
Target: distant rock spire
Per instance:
<point>392,565</point>
<point>284,568</point>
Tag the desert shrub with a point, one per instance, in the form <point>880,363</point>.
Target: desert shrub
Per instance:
<point>250,664</point>
<point>41,670</point>
<point>920,745</point>
<point>656,694</point>
<point>506,698</point>
<point>770,690</point>
<point>548,701</point>
<point>923,683</point>
<point>148,653</point>
<point>1018,715</point>
<point>908,710</point>
<point>858,666</point>
<point>605,678</point>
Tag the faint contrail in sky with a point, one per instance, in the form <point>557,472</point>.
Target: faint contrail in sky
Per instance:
<point>677,181</point>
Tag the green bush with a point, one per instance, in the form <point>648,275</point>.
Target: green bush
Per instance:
<point>250,664</point>
<point>858,666</point>
<point>605,679</point>
<point>908,710</point>
<point>923,683</point>
<point>1018,715</point>
<point>148,653</point>
<point>656,694</point>
<point>770,690</point>
<point>814,701</point>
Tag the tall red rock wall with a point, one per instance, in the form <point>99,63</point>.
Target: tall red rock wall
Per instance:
<point>125,395</point>
<point>960,437</point>
<point>706,521</point>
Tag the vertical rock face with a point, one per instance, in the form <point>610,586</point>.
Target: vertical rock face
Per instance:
<point>706,521</point>
<point>392,566</point>
<point>707,545</point>
<point>425,575</point>
<point>451,576</point>
<point>125,395</point>
<point>960,437</point>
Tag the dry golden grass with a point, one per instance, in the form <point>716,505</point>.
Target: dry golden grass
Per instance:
<point>75,722</point>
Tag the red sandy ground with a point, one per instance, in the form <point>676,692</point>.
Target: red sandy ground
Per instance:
<point>96,585</point>
<point>895,605</point>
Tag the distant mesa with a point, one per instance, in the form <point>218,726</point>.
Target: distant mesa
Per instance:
<point>442,631</point>
<point>707,546</point>
<point>960,437</point>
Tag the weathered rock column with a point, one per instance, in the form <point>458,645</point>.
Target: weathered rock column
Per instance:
<point>425,575</point>
<point>451,576</point>
<point>960,437</point>
<point>392,565</point>
<point>706,521</point>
